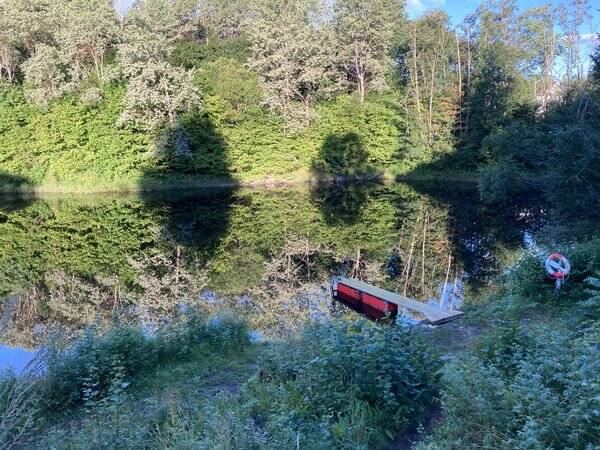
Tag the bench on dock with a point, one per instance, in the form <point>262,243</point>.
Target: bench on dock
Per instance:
<point>354,290</point>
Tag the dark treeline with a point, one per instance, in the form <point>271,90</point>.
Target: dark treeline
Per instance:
<point>93,92</point>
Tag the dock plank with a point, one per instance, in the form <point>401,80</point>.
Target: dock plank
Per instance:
<point>433,314</point>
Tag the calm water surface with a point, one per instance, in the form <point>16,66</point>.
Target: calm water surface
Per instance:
<point>265,254</point>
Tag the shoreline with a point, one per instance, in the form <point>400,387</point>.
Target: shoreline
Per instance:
<point>176,183</point>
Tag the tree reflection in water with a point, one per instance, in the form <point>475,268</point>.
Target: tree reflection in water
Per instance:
<point>267,254</point>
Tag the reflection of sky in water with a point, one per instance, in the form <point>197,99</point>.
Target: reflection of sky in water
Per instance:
<point>16,358</point>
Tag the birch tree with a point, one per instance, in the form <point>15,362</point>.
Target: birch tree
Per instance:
<point>542,44</point>
<point>432,65</point>
<point>364,32</point>
<point>10,56</point>
<point>595,70</point>
<point>571,18</point>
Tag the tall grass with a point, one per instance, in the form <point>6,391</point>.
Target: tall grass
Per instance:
<point>98,368</point>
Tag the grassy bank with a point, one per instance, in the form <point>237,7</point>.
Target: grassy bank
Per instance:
<point>202,384</point>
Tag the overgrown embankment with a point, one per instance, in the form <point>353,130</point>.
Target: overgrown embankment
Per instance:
<point>202,384</point>
<point>71,146</point>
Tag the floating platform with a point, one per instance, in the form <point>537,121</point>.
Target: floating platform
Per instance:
<point>359,293</point>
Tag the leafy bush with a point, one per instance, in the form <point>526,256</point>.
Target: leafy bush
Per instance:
<point>525,389</point>
<point>195,54</point>
<point>77,145</point>
<point>231,89</point>
<point>528,279</point>
<point>100,365</point>
<point>383,378</point>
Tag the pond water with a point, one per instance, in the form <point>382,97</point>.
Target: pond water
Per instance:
<point>268,255</point>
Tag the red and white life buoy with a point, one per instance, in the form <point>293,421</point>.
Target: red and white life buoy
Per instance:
<point>557,267</point>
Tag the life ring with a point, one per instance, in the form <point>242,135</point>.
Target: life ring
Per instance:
<point>557,266</point>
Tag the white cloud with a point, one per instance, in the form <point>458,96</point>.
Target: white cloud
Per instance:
<point>416,7</point>
<point>592,38</point>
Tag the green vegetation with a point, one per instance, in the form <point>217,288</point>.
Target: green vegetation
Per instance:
<point>180,93</point>
<point>536,375</point>
<point>335,386</point>
<point>532,381</point>
<point>103,100</point>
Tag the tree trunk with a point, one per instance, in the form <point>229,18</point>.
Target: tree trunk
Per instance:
<point>359,69</point>
<point>469,70</point>
<point>431,92</point>
<point>460,94</point>
<point>415,72</point>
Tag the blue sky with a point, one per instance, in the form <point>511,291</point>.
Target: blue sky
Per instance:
<point>459,9</point>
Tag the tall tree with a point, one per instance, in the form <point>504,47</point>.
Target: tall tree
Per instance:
<point>572,17</point>
<point>30,22</point>
<point>364,33</point>
<point>10,55</point>
<point>290,54</point>
<point>501,61</point>
<point>151,29</point>
<point>224,19</point>
<point>86,31</point>
<point>541,43</point>
<point>431,62</point>
<point>46,75</point>
<point>157,95</point>
<point>595,71</point>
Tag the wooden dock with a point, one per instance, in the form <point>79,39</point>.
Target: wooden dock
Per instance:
<point>432,314</point>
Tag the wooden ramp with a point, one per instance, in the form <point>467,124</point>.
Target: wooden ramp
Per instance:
<point>434,315</point>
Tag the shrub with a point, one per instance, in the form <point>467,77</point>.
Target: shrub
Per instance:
<point>528,279</point>
<point>383,378</point>
<point>543,392</point>
<point>100,365</point>
<point>19,401</point>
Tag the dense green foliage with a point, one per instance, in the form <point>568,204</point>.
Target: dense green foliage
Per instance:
<point>95,95</point>
<point>331,372</point>
<point>226,91</point>
<point>71,143</point>
<point>344,389</point>
<point>232,138</point>
<point>100,365</point>
<point>536,375</point>
<point>535,388</point>
<point>527,384</point>
<point>73,260</point>
<point>97,369</point>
